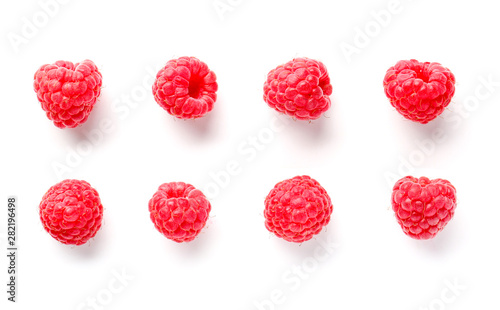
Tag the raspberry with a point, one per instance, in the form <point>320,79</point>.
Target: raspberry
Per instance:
<point>179,211</point>
<point>71,212</point>
<point>68,91</point>
<point>419,90</point>
<point>297,209</point>
<point>185,88</point>
<point>299,88</point>
<point>423,207</point>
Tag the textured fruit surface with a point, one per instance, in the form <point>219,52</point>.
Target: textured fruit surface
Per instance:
<point>299,88</point>
<point>179,211</point>
<point>297,209</point>
<point>68,91</point>
<point>423,207</point>
<point>71,212</point>
<point>419,90</point>
<point>185,88</point>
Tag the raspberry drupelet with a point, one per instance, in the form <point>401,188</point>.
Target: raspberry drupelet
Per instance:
<point>68,92</point>
<point>423,207</point>
<point>179,211</point>
<point>186,88</point>
<point>300,88</point>
<point>296,209</point>
<point>71,212</point>
<point>419,91</point>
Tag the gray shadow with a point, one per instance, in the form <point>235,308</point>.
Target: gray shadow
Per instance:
<point>422,131</point>
<point>191,250</point>
<point>199,128</point>
<point>308,248</point>
<point>91,248</point>
<point>314,131</point>
<point>444,242</point>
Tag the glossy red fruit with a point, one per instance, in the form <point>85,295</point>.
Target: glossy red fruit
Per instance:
<point>420,91</point>
<point>71,212</point>
<point>179,211</point>
<point>423,207</point>
<point>186,88</point>
<point>68,91</point>
<point>300,88</point>
<point>297,209</point>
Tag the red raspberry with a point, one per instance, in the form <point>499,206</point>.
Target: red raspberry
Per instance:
<point>423,207</point>
<point>179,211</point>
<point>68,91</point>
<point>299,88</point>
<point>185,88</point>
<point>71,212</point>
<point>419,90</point>
<point>297,209</point>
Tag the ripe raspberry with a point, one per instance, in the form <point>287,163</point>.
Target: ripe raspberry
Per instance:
<point>185,88</point>
<point>68,91</point>
<point>423,207</point>
<point>299,88</point>
<point>71,212</point>
<point>419,90</point>
<point>179,211</point>
<point>297,209</point>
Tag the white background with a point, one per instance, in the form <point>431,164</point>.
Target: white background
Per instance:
<point>355,151</point>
